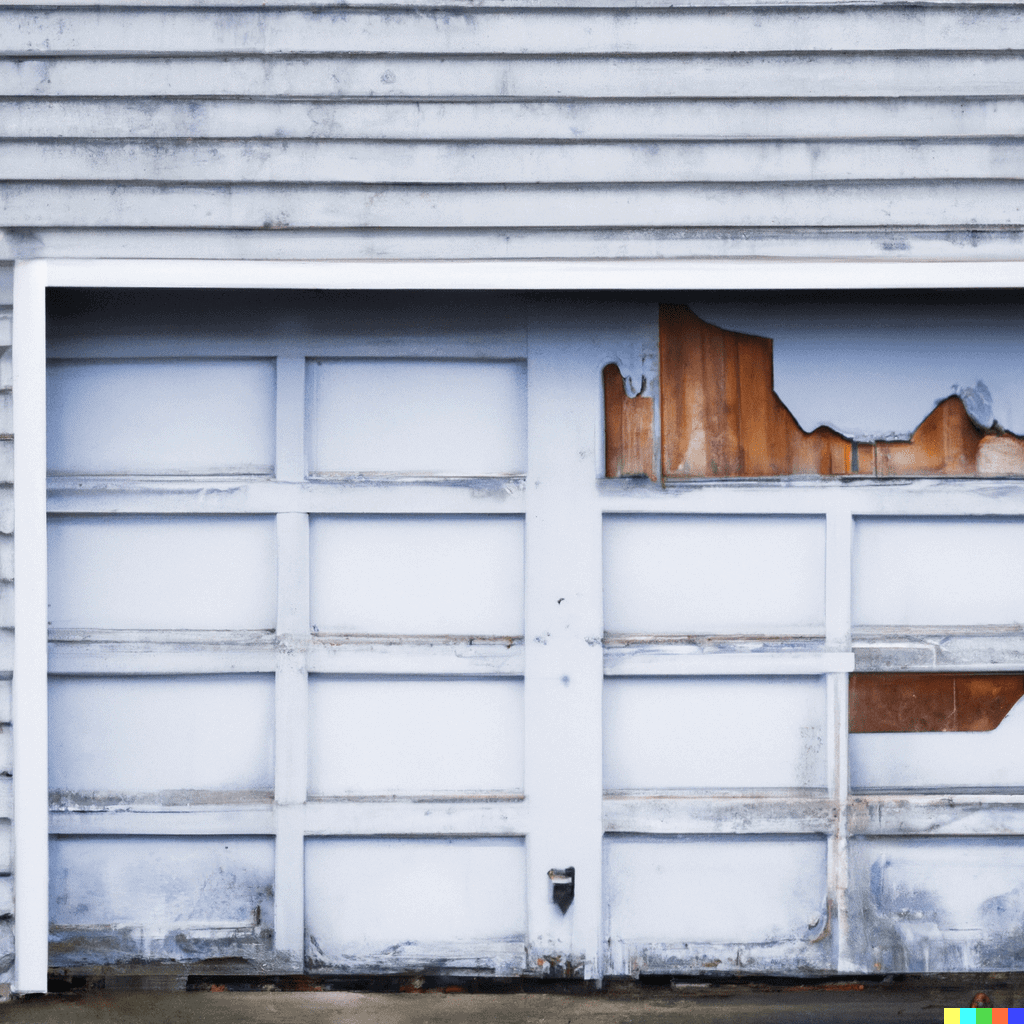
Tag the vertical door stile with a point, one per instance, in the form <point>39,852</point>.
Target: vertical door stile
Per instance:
<point>291,680</point>
<point>563,655</point>
<point>29,696</point>
<point>838,628</point>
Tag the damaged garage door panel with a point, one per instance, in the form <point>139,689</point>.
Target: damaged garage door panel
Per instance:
<point>721,417</point>
<point>931,701</point>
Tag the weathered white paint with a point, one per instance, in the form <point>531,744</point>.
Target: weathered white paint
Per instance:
<point>525,162</point>
<point>414,903</point>
<point>417,575</point>
<point>690,575</point>
<point>674,902</point>
<point>939,904</point>
<point>874,367</point>
<point>943,761</point>
<point>418,418</point>
<point>821,205</point>
<point>186,417</point>
<point>831,87</point>
<point>714,733</point>
<point>938,572</point>
<point>497,30</point>
<point>30,618</point>
<point>132,736</point>
<point>116,899</point>
<point>412,735</point>
<point>151,572</point>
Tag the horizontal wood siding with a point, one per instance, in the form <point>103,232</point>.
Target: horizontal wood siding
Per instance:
<point>479,131</point>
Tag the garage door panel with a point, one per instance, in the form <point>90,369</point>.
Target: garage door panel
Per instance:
<point>420,417</point>
<point>115,900</point>
<point>945,571</point>
<point>171,738</point>
<point>941,761</point>
<point>417,575</point>
<point>684,575</point>
<point>162,572</point>
<point>388,736</point>
<point>160,416</point>
<point>399,904</point>
<point>713,734</point>
<point>938,904</point>
<point>690,904</point>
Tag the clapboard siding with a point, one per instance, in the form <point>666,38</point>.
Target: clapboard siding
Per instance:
<point>298,161</point>
<point>637,30</point>
<point>926,203</point>
<point>547,129</point>
<point>537,122</point>
<point>508,76</point>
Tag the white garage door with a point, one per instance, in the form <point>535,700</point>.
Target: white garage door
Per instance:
<point>353,653</point>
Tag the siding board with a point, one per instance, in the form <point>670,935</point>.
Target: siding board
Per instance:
<point>637,30</point>
<point>655,120</point>
<point>922,203</point>
<point>472,75</point>
<point>520,163</point>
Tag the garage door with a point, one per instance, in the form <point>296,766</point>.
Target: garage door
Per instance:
<point>359,661</point>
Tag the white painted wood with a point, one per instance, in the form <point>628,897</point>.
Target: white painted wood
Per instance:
<point>732,97</point>
<point>291,719</point>
<point>161,820</point>
<point>290,460</point>
<point>162,572</point>
<point>409,495</point>
<point>676,892</point>
<point>392,655</point>
<point>156,652</point>
<point>142,891</point>
<point>186,417</point>
<point>140,735</point>
<point>30,618</point>
<point>816,205</point>
<point>398,736</point>
<point>563,626</point>
<point>7,842</point>
<point>422,817</point>
<point>581,275</point>
<point>938,904</point>
<point>557,5</point>
<point>369,898</point>
<point>417,418</point>
<point>5,700</point>
<point>674,575</point>
<point>417,575</point>
<point>940,761</point>
<point>636,30</point>
<point>938,572</point>
<point>6,897</point>
<point>273,161</point>
<point>714,734</point>
<point>683,659</point>
<point>701,815</point>
<point>954,814</point>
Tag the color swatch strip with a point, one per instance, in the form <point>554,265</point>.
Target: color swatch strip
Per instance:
<point>997,1016</point>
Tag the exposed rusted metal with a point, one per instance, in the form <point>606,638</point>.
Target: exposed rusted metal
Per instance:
<point>931,701</point>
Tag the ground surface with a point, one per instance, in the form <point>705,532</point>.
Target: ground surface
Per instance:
<point>793,1003</point>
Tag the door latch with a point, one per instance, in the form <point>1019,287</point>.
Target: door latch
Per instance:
<point>563,887</point>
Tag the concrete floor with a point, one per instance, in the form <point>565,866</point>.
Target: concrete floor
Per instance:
<point>895,1002</point>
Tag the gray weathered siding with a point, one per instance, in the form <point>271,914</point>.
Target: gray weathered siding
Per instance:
<point>553,129</point>
<point>6,632</point>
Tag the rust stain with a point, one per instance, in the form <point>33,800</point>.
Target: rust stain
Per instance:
<point>720,417</point>
<point>931,701</point>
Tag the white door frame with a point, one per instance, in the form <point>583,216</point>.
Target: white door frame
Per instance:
<point>32,277</point>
